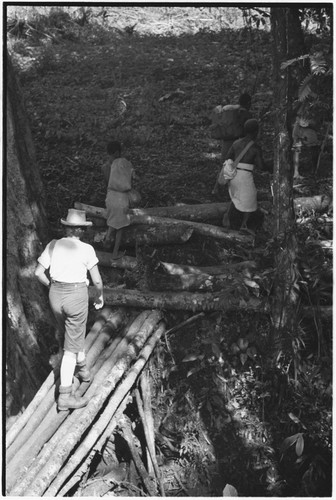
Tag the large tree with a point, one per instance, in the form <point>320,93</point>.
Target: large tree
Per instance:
<point>30,331</point>
<point>285,288</point>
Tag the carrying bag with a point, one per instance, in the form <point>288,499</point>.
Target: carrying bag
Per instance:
<point>134,197</point>
<point>229,168</point>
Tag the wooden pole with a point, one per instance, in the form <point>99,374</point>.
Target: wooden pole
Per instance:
<point>99,428</point>
<point>48,383</point>
<point>88,414</point>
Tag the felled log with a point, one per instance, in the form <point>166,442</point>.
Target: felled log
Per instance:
<point>159,282</point>
<point>125,262</point>
<point>148,421</point>
<point>318,203</point>
<point>130,263</point>
<point>97,432</point>
<point>186,301</point>
<point>126,430</point>
<point>199,228</point>
<point>206,212</point>
<point>82,419</point>
<point>179,269</point>
<point>150,235</point>
<point>197,213</point>
<point>148,450</point>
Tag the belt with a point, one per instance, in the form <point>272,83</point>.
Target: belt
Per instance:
<point>67,283</point>
<point>245,170</point>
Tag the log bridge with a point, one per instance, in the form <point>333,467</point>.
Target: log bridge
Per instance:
<point>48,452</point>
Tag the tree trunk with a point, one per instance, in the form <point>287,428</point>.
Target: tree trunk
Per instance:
<point>193,282</point>
<point>284,296</point>
<point>198,213</point>
<point>179,269</point>
<point>185,301</point>
<point>30,324</point>
<point>199,228</point>
<point>130,263</point>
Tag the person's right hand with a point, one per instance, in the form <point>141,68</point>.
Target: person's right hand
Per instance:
<point>99,303</point>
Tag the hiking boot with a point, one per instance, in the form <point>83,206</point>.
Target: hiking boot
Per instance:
<point>66,401</point>
<point>75,385</point>
<point>82,373</point>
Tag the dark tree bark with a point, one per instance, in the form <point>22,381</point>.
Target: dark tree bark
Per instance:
<point>284,296</point>
<point>29,324</point>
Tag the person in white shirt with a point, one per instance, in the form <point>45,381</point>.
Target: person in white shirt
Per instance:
<point>68,261</point>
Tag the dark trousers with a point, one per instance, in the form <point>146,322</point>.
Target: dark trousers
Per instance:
<point>253,220</point>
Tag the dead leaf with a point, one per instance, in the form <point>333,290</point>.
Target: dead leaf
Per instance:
<point>230,491</point>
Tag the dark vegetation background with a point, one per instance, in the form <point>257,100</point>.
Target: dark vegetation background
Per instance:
<point>149,76</point>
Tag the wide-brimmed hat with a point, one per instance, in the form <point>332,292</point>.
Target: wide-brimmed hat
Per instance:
<point>76,218</point>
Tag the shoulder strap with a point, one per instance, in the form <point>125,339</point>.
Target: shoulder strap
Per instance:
<point>241,154</point>
<point>51,248</point>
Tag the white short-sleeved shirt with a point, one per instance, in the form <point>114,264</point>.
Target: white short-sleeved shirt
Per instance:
<point>71,259</point>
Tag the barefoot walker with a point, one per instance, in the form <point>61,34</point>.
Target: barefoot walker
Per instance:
<point>118,174</point>
<point>68,260</point>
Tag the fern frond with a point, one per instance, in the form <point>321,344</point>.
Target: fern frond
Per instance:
<point>305,90</point>
<point>318,64</point>
<point>285,64</point>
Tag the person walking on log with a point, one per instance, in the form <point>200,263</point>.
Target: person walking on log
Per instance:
<point>68,261</point>
<point>243,212</point>
<point>118,174</point>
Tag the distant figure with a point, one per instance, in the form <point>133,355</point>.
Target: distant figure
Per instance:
<point>228,122</point>
<point>304,135</point>
<point>68,260</point>
<point>243,212</point>
<point>118,174</point>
